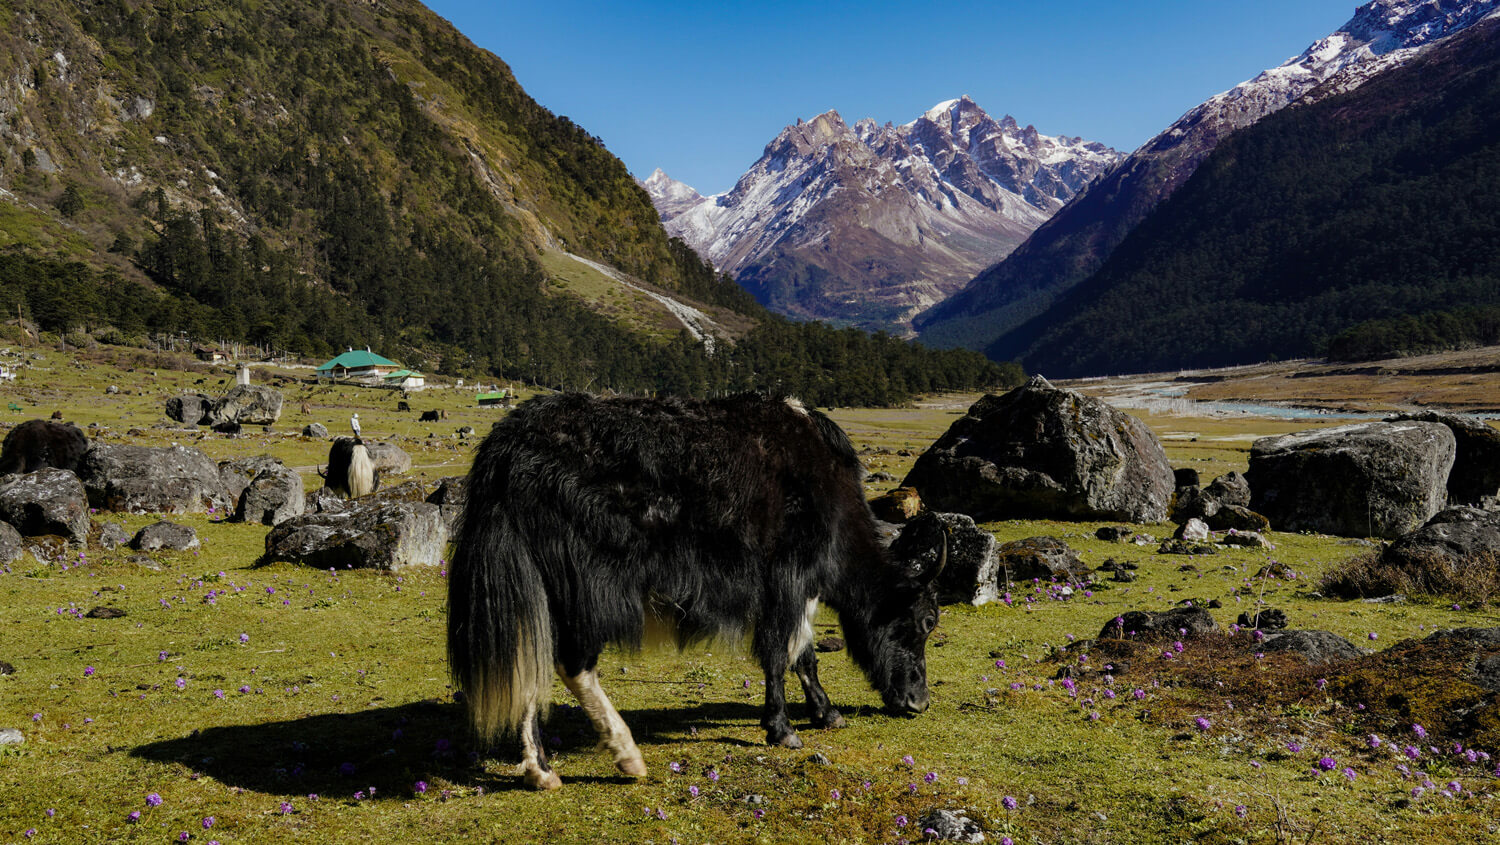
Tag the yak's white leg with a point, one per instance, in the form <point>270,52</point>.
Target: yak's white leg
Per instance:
<point>534,768</point>
<point>614,734</point>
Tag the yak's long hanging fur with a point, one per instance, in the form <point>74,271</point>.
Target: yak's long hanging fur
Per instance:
<point>586,515</point>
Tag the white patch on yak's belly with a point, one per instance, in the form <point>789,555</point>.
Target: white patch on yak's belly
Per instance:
<point>802,637</point>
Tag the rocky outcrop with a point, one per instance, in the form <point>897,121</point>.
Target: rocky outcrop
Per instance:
<point>1476,463</point>
<point>389,459</point>
<point>49,501</point>
<point>1042,452</point>
<point>1379,479</point>
<point>165,535</point>
<point>449,497</point>
<point>1039,557</point>
<point>369,535</point>
<point>190,408</point>
<point>237,474</point>
<point>1317,646</point>
<point>1446,543</point>
<point>142,479</point>
<point>1194,502</point>
<point>1174,624</point>
<point>274,496</point>
<point>11,546</point>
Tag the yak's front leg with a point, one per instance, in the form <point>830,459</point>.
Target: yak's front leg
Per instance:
<point>778,728</point>
<point>614,734</point>
<point>819,709</point>
<point>534,767</point>
<point>779,637</point>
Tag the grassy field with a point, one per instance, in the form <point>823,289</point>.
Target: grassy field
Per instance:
<point>237,703</point>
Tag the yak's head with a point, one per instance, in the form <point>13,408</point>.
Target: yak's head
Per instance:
<point>901,615</point>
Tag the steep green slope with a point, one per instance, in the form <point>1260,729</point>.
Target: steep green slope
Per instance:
<point>1381,202</point>
<point>306,176</point>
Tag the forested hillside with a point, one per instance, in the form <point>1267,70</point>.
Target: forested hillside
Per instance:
<point>1371,205</point>
<point>309,176</point>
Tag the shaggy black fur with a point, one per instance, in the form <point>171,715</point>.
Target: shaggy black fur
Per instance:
<point>586,515</point>
<point>38,444</point>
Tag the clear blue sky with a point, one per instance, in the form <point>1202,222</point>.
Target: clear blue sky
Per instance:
<point>699,88</point>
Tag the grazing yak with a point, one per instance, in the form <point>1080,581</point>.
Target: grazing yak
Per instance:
<point>589,519</point>
<point>38,444</point>
<point>351,472</point>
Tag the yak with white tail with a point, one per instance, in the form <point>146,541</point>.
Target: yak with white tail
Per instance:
<point>590,519</point>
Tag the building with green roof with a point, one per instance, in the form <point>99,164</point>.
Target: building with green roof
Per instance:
<point>358,364</point>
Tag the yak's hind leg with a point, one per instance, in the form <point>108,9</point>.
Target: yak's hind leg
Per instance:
<point>614,734</point>
<point>534,767</point>
<point>819,709</point>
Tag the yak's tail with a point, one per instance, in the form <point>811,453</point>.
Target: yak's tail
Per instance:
<point>361,471</point>
<point>499,625</point>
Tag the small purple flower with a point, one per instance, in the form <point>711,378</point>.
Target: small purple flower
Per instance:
<point>88,671</point>
<point>675,766</point>
<point>930,777</point>
<point>181,683</point>
<point>1419,731</point>
<point>218,693</point>
<point>693,790</point>
<point>285,808</point>
<point>1455,787</point>
<point>1202,723</point>
<point>1327,764</point>
<point>244,638</point>
<point>135,816</point>
<point>713,775</point>
<point>1008,803</point>
<point>30,832</point>
<point>1321,683</point>
<point>908,760</point>
<point>153,799</point>
<point>1373,741</point>
<point>901,821</point>
<point>420,787</point>
<point>1139,694</point>
<point>1413,753</point>
<point>1348,773</point>
<point>1241,810</point>
<point>245,689</point>
<point>835,795</point>
<point>184,836</point>
<point>208,822</point>
<point>1294,747</point>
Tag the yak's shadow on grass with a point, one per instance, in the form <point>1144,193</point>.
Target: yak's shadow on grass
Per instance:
<point>391,749</point>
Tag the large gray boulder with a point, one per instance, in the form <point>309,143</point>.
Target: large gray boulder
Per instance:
<point>143,479</point>
<point>247,404</point>
<point>1451,542</point>
<point>274,496</point>
<point>1476,462</point>
<point>237,474</point>
<point>165,535</point>
<point>1378,479</point>
<point>48,501</point>
<point>190,408</point>
<point>389,459</point>
<point>11,546</point>
<point>1043,452</point>
<point>369,535</point>
<point>970,574</point>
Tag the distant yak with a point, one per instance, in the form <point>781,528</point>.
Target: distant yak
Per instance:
<point>38,444</point>
<point>589,519</point>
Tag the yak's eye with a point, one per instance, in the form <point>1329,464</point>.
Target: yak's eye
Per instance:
<point>926,624</point>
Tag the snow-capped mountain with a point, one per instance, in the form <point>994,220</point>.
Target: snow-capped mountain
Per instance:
<point>1075,242</point>
<point>870,223</point>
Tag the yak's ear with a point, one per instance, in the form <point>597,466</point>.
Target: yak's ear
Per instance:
<point>922,570</point>
<point>933,572</point>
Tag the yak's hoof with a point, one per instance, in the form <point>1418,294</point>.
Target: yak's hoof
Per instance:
<point>787,740</point>
<point>831,719</point>
<point>632,767</point>
<point>543,781</point>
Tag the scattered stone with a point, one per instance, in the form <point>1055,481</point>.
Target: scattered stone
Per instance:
<point>1194,530</point>
<point>6,668</point>
<point>1042,452</point>
<point>389,459</point>
<point>1112,565</point>
<point>468,431</point>
<point>274,496</point>
<point>753,799</point>
<point>1178,623</point>
<point>11,736</point>
<point>247,404</point>
<point>1187,567</point>
<point>1380,479</point>
<point>165,535</point>
<point>1183,547</point>
<point>1276,569</point>
<point>1317,646</point>
<point>950,826</point>
<point>111,390</point>
<point>48,501</point>
<point>113,535</point>
<point>1247,539</point>
<point>316,431</point>
<point>1190,503</point>
<point>370,534</point>
<point>1144,540</point>
<point>1115,533</point>
<point>105,613</point>
<point>828,645</point>
<point>1228,489</point>
<point>818,758</point>
<point>1122,576</point>
<point>1040,557</point>
<point>1447,542</point>
<point>141,479</point>
<point>190,408</point>
<point>1270,619</point>
<point>973,568</point>
<point>900,505</point>
<point>1237,518</point>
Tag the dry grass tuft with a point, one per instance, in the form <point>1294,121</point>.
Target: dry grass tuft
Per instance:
<point>1470,580</point>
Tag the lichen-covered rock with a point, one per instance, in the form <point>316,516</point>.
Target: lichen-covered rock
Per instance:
<point>1379,479</point>
<point>165,535</point>
<point>970,574</point>
<point>190,408</point>
<point>247,404</point>
<point>1270,619</point>
<point>1177,623</point>
<point>11,546</point>
<point>238,473</point>
<point>1247,539</point>
<point>1042,452</point>
<point>1439,550</point>
<point>1317,646</point>
<point>1237,518</point>
<point>272,497</point>
<point>389,459</point>
<point>1194,530</point>
<point>369,535</point>
<point>48,501</point>
<point>1176,546</point>
<point>142,479</point>
<point>1115,533</point>
<point>316,431</point>
<point>950,826</point>
<point>112,535</point>
<point>1039,557</point>
<point>1476,463</point>
<point>1194,502</point>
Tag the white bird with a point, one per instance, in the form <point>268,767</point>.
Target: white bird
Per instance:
<point>354,424</point>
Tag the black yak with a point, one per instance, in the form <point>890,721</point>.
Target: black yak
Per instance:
<point>588,519</point>
<point>38,444</point>
<point>351,472</point>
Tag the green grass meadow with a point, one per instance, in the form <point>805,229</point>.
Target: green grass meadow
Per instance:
<point>244,703</point>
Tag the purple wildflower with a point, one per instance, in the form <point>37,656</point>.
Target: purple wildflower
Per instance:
<point>1008,803</point>
<point>420,787</point>
<point>88,671</point>
<point>286,807</point>
<point>1202,723</point>
<point>1327,764</point>
<point>1241,810</point>
<point>208,822</point>
<point>153,799</point>
<point>135,816</point>
<point>1348,773</point>
<point>1419,731</point>
<point>930,777</point>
